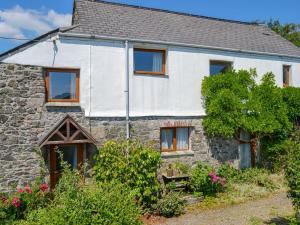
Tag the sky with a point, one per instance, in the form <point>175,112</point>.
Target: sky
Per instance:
<point>26,19</point>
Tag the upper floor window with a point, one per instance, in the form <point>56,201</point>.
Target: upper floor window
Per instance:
<point>62,85</point>
<point>286,75</point>
<point>149,61</point>
<point>217,67</point>
<point>175,138</point>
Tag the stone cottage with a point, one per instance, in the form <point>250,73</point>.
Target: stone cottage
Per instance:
<point>123,71</point>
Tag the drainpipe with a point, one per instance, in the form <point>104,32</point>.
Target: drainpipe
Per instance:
<point>127,89</point>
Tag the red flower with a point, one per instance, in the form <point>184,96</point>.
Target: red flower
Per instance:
<point>4,199</point>
<point>16,202</point>
<point>28,189</point>
<point>44,187</point>
<point>20,190</point>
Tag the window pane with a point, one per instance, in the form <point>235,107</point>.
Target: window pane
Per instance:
<point>182,138</point>
<point>167,138</point>
<point>286,75</point>
<point>219,67</point>
<point>62,85</point>
<point>148,61</point>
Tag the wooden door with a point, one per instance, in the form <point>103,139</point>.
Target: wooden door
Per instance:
<point>72,154</point>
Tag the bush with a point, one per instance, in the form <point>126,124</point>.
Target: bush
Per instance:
<point>133,164</point>
<point>170,205</point>
<point>257,176</point>
<point>204,179</point>
<point>228,171</point>
<point>77,203</point>
<point>292,173</point>
<point>17,205</point>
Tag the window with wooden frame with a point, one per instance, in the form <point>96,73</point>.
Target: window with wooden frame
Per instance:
<point>175,139</point>
<point>286,75</point>
<point>218,67</point>
<point>149,61</point>
<point>62,85</point>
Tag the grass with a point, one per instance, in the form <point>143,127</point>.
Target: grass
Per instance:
<point>241,192</point>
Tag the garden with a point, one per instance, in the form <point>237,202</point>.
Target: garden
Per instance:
<point>130,183</point>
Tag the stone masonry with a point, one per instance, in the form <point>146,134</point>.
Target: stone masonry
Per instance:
<point>25,118</point>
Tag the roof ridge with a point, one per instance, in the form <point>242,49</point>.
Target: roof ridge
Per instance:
<point>173,12</point>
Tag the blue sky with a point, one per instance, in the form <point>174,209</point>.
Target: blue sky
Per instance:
<point>30,18</point>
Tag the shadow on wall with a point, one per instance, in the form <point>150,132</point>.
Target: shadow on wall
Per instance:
<point>224,150</point>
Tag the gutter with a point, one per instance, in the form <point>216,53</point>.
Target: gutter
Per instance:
<point>127,89</point>
<point>89,36</point>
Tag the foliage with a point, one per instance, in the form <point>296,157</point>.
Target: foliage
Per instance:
<point>272,146</point>
<point>234,102</point>
<point>182,168</point>
<point>292,170</point>
<point>77,203</point>
<point>291,96</point>
<point>203,179</point>
<point>130,163</point>
<point>17,205</point>
<point>171,205</point>
<point>289,31</point>
<point>256,176</point>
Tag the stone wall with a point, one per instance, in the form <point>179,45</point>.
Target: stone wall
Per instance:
<point>25,118</point>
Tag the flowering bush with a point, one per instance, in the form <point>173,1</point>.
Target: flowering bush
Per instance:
<point>16,205</point>
<point>205,180</point>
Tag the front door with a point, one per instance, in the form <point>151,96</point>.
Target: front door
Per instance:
<point>72,154</point>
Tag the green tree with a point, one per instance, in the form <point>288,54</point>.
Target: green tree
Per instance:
<point>289,31</point>
<point>235,102</point>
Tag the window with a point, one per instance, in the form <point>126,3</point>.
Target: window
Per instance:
<point>62,85</point>
<point>149,61</point>
<point>286,75</point>
<point>175,138</point>
<point>217,67</point>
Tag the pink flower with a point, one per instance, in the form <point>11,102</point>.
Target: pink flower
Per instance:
<point>20,190</point>
<point>44,187</point>
<point>28,189</point>
<point>16,202</point>
<point>214,177</point>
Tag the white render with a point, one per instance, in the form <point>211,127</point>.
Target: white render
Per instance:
<point>103,77</point>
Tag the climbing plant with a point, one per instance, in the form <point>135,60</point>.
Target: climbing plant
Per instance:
<point>235,102</point>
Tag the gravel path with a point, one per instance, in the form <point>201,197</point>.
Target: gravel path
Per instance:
<point>264,211</point>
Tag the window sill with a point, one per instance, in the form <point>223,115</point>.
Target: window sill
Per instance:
<point>62,104</point>
<point>175,154</point>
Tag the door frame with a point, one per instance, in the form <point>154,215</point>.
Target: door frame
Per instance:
<point>54,174</point>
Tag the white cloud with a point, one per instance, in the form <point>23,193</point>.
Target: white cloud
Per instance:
<point>14,22</point>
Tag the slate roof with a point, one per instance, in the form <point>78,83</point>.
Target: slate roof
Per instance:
<point>125,21</point>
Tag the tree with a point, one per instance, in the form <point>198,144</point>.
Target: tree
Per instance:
<point>289,31</point>
<point>234,102</point>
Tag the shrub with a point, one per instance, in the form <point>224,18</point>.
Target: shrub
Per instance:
<point>228,171</point>
<point>17,205</point>
<point>170,205</point>
<point>258,176</point>
<point>131,163</point>
<point>77,203</point>
<point>292,173</point>
<point>204,179</point>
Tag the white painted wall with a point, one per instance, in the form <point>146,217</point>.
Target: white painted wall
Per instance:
<point>102,64</point>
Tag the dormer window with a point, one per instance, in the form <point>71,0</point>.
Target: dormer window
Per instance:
<point>149,61</point>
<point>62,85</point>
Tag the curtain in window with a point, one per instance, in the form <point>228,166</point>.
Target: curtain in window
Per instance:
<point>73,86</point>
<point>167,139</point>
<point>182,138</point>
<point>157,62</point>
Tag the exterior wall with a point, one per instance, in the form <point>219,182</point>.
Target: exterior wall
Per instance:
<point>102,78</point>
<point>25,118</point>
